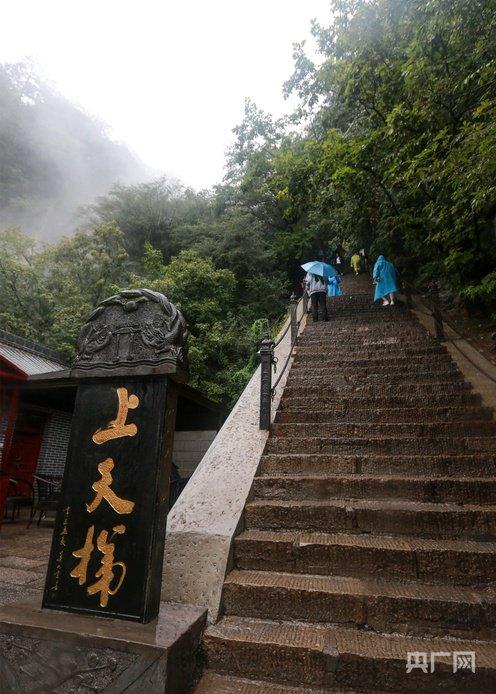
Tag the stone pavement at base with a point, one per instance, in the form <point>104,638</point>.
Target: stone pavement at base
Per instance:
<point>23,560</point>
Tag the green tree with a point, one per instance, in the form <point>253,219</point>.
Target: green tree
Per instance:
<point>47,291</point>
<point>220,346</point>
<point>395,149</point>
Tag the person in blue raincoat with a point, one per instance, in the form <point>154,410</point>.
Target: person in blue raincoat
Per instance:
<point>385,278</point>
<point>334,286</point>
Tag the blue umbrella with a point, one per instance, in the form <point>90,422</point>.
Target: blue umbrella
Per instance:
<point>316,267</point>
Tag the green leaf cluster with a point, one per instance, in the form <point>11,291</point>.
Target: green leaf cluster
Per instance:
<point>393,145</point>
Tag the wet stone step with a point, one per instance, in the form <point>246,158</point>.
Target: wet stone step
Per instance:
<point>363,305</point>
<point>382,605</point>
<point>354,344</point>
<point>361,319</point>
<point>357,332</point>
<point>375,345</point>
<point>356,401</point>
<point>371,321</point>
<point>315,414</point>
<point>382,337</point>
<point>408,366</point>
<point>405,557</point>
<point>372,374</point>
<point>391,348</point>
<point>368,320</point>
<point>312,654</point>
<point>362,323</point>
<point>385,516</point>
<point>357,329</point>
<point>387,445</point>
<point>214,683</point>
<point>446,388</point>
<point>325,377</point>
<point>320,360</point>
<point>353,309</point>
<point>382,429</point>
<point>476,465</point>
<point>428,489</point>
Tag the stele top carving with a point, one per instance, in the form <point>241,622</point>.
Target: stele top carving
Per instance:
<point>134,327</point>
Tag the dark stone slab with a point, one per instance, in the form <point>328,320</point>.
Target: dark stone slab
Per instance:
<point>18,576</point>
<point>40,553</point>
<point>52,651</point>
<point>11,592</point>
<point>108,543</point>
<point>14,562</point>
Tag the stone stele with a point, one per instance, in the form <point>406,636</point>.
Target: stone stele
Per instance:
<point>136,333</point>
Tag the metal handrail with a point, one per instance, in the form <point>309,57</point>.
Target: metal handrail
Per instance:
<point>268,362</point>
<point>293,309</point>
<point>276,344</point>
<point>293,344</point>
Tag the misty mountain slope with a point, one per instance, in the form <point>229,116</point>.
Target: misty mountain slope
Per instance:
<point>53,156</point>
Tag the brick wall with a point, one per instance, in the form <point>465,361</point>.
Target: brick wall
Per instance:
<point>189,449</point>
<point>189,446</point>
<point>53,452</point>
<point>4,420</point>
<point>3,427</point>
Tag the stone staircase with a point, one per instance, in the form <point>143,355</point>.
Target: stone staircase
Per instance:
<point>371,528</point>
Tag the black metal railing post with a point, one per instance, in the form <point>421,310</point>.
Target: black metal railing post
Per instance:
<point>266,361</point>
<point>305,302</point>
<point>438,317</point>
<point>294,319</point>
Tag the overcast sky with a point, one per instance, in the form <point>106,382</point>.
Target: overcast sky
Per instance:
<point>169,78</point>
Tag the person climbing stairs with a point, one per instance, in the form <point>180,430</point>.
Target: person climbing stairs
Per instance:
<point>367,561</point>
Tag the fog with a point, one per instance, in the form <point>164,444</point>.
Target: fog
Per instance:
<point>54,157</point>
<point>168,79</point>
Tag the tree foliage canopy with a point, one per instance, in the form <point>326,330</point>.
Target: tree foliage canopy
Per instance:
<point>392,148</point>
<point>399,132</point>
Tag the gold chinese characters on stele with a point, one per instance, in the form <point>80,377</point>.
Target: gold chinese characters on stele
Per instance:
<point>110,574</point>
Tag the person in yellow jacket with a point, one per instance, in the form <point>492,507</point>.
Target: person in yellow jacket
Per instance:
<point>356,262</point>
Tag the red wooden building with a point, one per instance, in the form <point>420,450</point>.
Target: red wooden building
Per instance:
<point>21,423</point>
<point>37,395</point>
